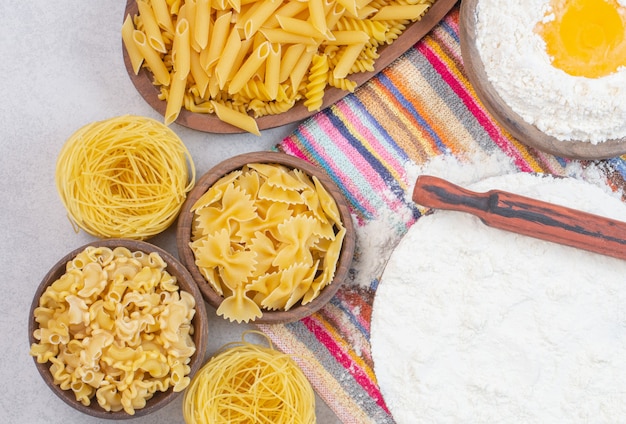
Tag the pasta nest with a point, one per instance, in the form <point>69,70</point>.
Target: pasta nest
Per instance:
<point>124,177</point>
<point>245,383</point>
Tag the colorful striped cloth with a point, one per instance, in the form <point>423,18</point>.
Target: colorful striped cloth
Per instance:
<point>420,107</point>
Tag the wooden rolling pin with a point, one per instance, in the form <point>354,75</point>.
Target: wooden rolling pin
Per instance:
<point>523,215</point>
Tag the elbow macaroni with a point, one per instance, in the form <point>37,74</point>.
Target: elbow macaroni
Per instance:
<point>116,327</point>
<point>297,30</point>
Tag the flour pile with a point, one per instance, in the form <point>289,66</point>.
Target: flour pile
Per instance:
<point>475,324</point>
<point>519,68</point>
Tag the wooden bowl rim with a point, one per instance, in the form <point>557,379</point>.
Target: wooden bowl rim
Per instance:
<point>183,235</point>
<point>524,132</point>
<point>200,322</point>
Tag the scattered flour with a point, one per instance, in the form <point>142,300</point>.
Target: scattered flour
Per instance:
<point>377,238</point>
<point>475,324</point>
<point>519,68</point>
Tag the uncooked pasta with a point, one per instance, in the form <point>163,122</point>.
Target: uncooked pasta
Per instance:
<point>249,383</point>
<point>124,177</point>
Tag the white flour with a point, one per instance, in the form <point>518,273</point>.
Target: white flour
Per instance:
<point>476,325</point>
<point>377,238</point>
<point>517,65</point>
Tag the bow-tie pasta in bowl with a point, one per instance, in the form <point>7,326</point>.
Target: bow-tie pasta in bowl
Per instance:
<point>268,237</point>
<point>117,328</point>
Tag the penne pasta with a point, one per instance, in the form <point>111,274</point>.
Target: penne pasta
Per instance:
<point>219,35</point>
<point>162,15</point>
<point>350,7</point>
<point>318,15</point>
<point>347,59</point>
<point>175,98</point>
<point>258,57</point>
<point>152,58</point>
<point>136,59</point>
<point>289,10</point>
<point>151,27</point>
<point>202,24</point>
<point>299,71</point>
<point>299,27</point>
<point>249,67</point>
<point>349,37</point>
<point>198,73</point>
<point>396,12</point>
<point>236,118</point>
<point>280,36</point>
<point>253,21</point>
<point>272,71</point>
<point>181,50</point>
<point>228,57</point>
<point>289,60</point>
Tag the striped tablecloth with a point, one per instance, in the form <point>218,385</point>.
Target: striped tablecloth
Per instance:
<point>419,108</point>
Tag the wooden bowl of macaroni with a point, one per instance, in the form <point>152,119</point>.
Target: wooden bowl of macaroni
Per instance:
<point>267,237</point>
<point>117,328</point>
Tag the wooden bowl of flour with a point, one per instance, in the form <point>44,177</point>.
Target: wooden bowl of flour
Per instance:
<point>503,113</point>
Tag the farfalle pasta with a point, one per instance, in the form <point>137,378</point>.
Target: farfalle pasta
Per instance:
<point>266,237</point>
<point>116,328</point>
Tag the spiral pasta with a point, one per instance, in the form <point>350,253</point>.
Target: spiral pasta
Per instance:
<point>317,83</point>
<point>245,383</point>
<point>124,177</point>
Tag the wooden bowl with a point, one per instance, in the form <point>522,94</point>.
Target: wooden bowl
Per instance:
<point>200,323</point>
<point>210,123</point>
<point>184,229</point>
<point>502,112</point>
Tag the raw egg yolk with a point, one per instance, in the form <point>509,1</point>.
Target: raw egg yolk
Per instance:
<point>586,37</point>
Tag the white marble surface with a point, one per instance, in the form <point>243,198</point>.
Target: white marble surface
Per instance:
<point>61,67</point>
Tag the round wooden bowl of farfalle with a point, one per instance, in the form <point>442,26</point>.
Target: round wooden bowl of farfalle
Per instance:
<point>267,237</point>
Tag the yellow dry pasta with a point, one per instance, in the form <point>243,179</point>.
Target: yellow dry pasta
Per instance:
<point>117,350</point>
<point>246,382</point>
<point>348,32</point>
<point>266,237</point>
<point>126,177</point>
<point>318,78</point>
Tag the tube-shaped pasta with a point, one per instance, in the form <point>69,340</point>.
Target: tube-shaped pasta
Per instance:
<point>181,50</point>
<point>396,12</point>
<point>349,37</point>
<point>272,71</point>
<point>253,22</point>
<point>228,57</point>
<point>202,24</point>
<point>299,71</point>
<point>300,27</point>
<point>347,59</point>
<point>249,67</point>
<point>219,35</point>
<point>162,15</point>
<point>175,99</point>
<point>236,118</point>
<point>289,60</point>
<point>287,10</point>
<point>136,59</point>
<point>318,15</point>
<point>350,7</point>
<point>198,73</point>
<point>279,35</point>
<point>151,27</point>
<point>152,58</point>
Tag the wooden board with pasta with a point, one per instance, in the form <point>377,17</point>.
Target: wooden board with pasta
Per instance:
<point>294,58</point>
